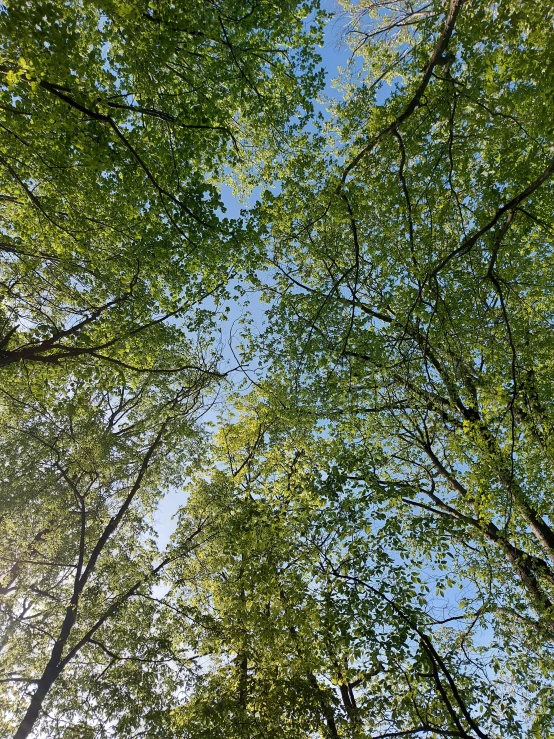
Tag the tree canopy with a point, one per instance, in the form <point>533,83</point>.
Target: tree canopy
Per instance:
<point>365,545</point>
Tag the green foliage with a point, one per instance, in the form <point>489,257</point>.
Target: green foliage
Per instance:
<point>366,545</point>
<point>314,624</point>
<point>79,559</point>
<point>118,122</point>
<point>410,324</point>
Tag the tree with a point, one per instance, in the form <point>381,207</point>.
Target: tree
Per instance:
<point>310,622</point>
<point>79,561</point>
<point>119,121</point>
<point>410,306</point>
<point>393,443</point>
